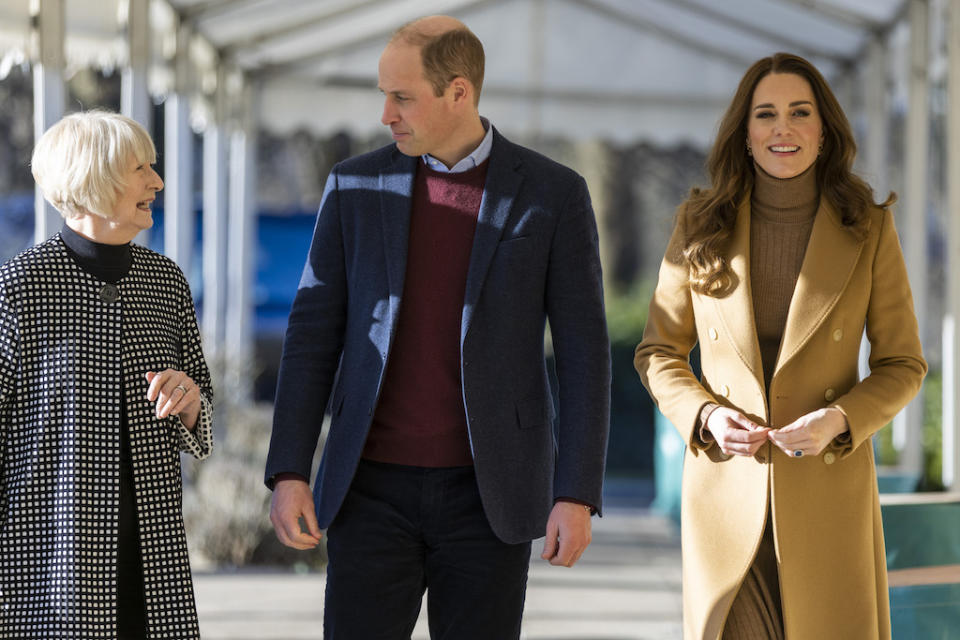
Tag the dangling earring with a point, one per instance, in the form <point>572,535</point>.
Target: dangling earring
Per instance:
<point>749,150</point>
<point>820,147</point>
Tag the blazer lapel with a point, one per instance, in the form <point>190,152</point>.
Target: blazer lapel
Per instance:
<point>831,256</point>
<point>396,200</point>
<point>501,188</point>
<point>736,309</point>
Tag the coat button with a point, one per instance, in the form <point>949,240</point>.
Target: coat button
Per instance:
<point>829,395</point>
<point>829,457</point>
<point>725,391</point>
<point>713,334</point>
<point>837,335</point>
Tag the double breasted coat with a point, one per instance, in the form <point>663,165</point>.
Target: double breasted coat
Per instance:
<point>824,509</point>
<point>67,352</point>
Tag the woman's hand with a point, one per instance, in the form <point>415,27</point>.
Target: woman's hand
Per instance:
<point>736,434</point>
<point>175,394</point>
<point>811,433</point>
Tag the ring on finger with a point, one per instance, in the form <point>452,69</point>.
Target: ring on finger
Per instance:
<point>182,388</point>
<point>797,453</point>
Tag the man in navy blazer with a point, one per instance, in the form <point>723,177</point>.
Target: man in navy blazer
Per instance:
<point>419,322</point>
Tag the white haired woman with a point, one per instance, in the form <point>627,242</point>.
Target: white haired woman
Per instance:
<point>102,384</point>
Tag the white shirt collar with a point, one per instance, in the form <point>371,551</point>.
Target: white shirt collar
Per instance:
<point>477,157</point>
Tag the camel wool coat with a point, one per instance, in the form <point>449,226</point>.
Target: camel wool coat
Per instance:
<point>825,508</point>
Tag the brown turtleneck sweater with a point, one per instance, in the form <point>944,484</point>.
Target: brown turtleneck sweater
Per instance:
<point>781,219</point>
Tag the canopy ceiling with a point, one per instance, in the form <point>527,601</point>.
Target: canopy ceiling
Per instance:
<point>621,69</point>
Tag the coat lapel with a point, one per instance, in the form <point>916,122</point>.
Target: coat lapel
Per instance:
<point>736,309</point>
<point>396,199</point>
<point>832,253</point>
<point>499,192</point>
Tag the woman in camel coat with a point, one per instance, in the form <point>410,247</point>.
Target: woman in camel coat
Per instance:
<point>776,270</point>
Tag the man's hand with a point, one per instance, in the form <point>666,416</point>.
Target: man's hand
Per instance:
<point>810,433</point>
<point>736,434</point>
<point>292,500</point>
<point>568,534</point>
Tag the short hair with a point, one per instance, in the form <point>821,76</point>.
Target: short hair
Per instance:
<point>448,55</point>
<point>79,163</point>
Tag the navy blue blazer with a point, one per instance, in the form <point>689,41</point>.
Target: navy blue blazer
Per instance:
<point>534,259</point>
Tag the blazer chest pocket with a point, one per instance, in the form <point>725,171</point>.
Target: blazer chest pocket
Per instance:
<point>515,246</point>
<point>531,412</point>
<point>516,261</point>
<point>513,241</point>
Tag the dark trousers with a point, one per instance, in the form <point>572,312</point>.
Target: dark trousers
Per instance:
<point>403,530</point>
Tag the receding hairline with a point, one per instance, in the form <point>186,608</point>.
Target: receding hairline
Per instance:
<point>420,31</point>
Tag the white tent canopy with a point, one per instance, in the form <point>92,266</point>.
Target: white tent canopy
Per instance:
<point>659,70</point>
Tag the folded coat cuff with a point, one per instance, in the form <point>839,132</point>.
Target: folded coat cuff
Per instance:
<point>199,441</point>
<point>702,438</point>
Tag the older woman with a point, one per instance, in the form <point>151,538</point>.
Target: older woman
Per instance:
<point>102,384</point>
<point>776,269</point>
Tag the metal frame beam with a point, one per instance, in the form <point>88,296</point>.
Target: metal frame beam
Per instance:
<point>134,92</point>
<point>951,341</point>
<point>178,219</point>
<point>875,103</point>
<point>782,38</point>
<point>231,49</point>
<point>646,25</point>
<point>838,14</point>
<point>49,90</point>
<point>134,96</point>
<point>357,29</point>
<point>214,9</point>
<point>215,229</point>
<point>241,253</point>
<point>908,426</point>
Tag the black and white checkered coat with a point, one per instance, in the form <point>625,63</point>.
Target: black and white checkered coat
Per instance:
<point>66,355</point>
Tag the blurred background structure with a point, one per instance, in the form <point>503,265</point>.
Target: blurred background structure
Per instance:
<point>251,102</point>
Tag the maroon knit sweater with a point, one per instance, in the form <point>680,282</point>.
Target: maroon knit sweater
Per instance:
<point>420,418</point>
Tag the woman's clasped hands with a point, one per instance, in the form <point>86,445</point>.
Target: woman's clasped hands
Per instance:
<point>738,435</point>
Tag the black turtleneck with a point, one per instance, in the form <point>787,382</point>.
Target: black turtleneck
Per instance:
<point>107,262</point>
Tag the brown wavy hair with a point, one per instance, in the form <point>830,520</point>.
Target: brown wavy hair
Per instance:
<point>709,215</point>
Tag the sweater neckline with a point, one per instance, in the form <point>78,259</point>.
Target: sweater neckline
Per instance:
<point>785,200</point>
<point>106,262</point>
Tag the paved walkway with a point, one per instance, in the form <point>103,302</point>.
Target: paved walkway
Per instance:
<point>625,587</point>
